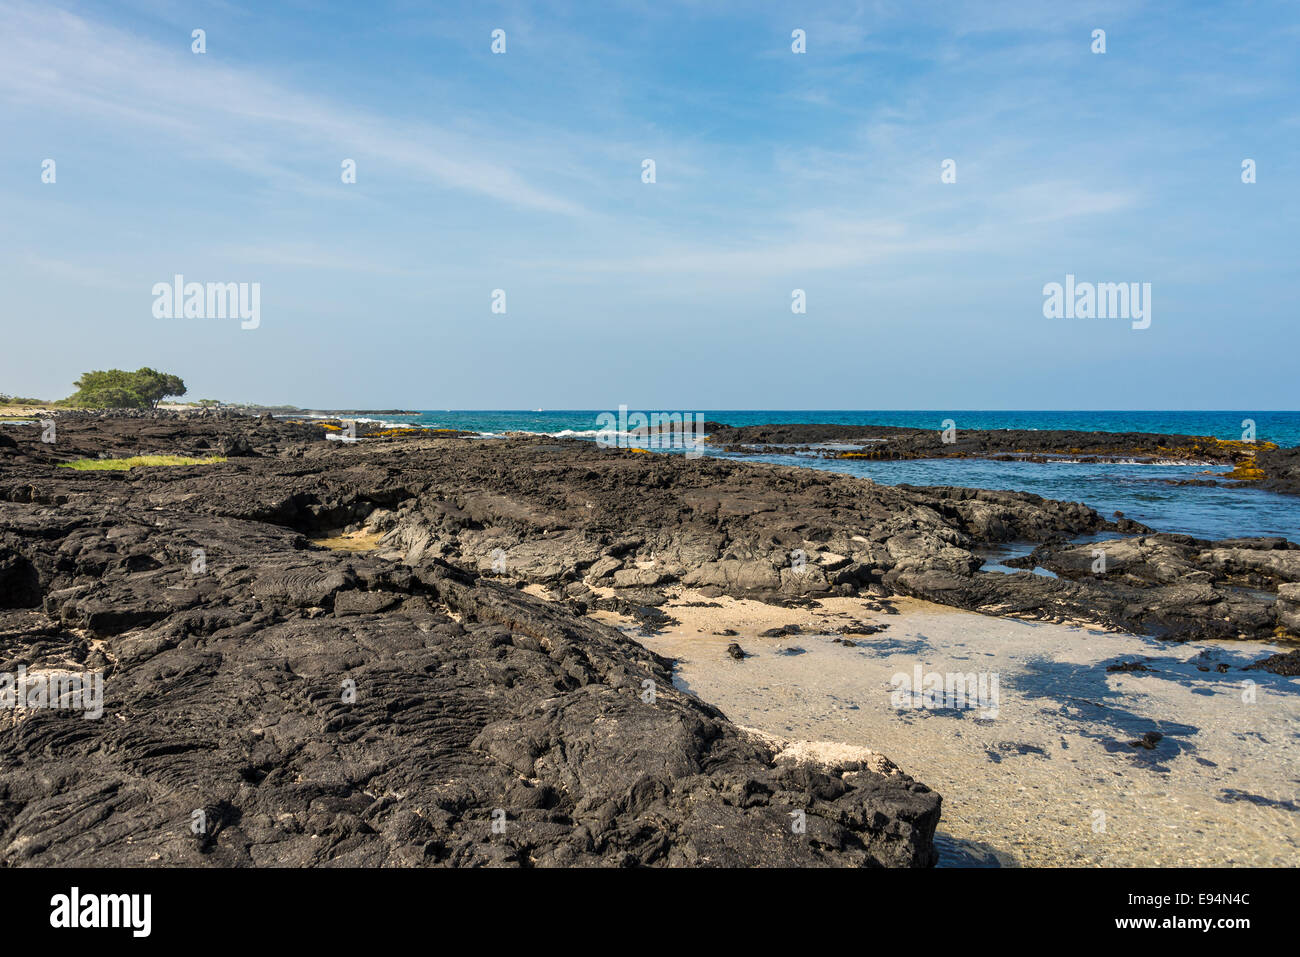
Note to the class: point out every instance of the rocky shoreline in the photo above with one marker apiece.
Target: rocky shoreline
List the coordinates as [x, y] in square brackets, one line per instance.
[1261, 464]
[397, 563]
[484, 726]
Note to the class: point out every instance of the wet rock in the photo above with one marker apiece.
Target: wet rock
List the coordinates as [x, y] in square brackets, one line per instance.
[1228, 795]
[1281, 470]
[1128, 666]
[1173, 585]
[1283, 663]
[857, 627]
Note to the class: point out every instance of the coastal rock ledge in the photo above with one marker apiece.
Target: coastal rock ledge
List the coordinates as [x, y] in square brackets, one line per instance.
[269, 702]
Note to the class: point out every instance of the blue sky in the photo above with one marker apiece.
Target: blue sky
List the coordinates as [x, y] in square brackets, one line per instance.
[775, 171]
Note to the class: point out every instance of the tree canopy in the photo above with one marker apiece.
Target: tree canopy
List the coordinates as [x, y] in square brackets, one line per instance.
[117, 389]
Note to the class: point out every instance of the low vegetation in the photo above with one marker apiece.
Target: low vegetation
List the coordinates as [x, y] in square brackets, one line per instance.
[137, 461]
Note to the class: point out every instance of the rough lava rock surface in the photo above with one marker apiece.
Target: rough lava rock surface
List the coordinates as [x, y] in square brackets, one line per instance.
[324, 707]
[227, 687]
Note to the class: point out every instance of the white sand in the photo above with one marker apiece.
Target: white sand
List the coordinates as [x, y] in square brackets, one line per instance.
[1050, 779]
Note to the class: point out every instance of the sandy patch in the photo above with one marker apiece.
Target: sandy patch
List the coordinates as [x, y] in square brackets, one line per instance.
[1048, 776]
[351, 541]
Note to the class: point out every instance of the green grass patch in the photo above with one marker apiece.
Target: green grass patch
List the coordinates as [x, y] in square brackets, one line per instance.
[95, 465]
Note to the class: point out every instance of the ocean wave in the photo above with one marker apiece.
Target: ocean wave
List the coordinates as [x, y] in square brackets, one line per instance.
[361, 418]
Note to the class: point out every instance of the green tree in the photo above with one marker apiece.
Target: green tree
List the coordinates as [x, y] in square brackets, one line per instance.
[118, 389]
[155, 386]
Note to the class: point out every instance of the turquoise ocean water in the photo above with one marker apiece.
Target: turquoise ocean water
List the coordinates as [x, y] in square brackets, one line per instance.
[1146, 493]
[1280, 427]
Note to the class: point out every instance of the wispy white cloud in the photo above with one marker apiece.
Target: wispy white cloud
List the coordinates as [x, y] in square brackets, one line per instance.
[53, 59]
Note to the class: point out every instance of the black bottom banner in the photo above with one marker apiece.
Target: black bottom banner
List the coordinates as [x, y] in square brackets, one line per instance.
[340, 907]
